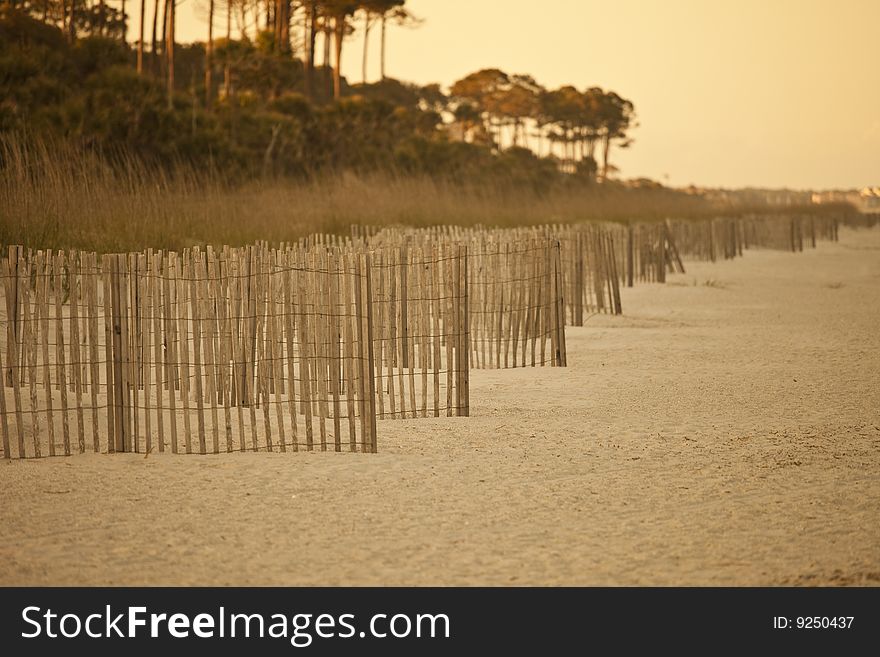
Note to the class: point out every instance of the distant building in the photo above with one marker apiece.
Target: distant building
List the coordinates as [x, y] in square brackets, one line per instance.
[755, 196]
[870, 199]
[864, 200]
[836, 196]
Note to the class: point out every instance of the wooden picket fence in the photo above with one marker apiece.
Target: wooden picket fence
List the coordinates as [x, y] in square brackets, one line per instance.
[725, 238]
[517, 307]
[648, 251]
[591, 268]
[514, 283]
[305, 346]
[515, 313]
[719, 238]
[861, 219]
[421, 333]
[654, 249]
[788, 233]
[200, 352]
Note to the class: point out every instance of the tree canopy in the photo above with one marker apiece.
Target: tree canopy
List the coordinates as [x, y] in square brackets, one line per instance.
[256, 100]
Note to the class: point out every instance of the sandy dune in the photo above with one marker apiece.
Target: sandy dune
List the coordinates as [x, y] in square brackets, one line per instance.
[725, 431]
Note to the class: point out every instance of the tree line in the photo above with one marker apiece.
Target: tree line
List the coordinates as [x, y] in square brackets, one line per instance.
[268, 93]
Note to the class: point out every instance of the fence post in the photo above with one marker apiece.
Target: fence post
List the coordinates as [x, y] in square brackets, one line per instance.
[404, 296]
[732, 233]
[559, 307]
[660, 254]
[12, 353]
[457, 323]
[599, 269]
[673, 247]
[578, 287]
[371, 365]
[563, 348]
[120, 439]
[630, 255]
[3, 419]
[711, 233]
[615, 278]
[12, 329]
[466, 365]
[553, 310]
[197, 309]
[363, 330]
[249, 311]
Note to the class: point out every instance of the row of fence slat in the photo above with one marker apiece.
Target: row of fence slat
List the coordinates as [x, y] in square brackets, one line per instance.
[305, 345]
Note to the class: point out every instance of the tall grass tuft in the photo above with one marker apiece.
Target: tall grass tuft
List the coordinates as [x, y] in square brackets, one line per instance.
[56, 195]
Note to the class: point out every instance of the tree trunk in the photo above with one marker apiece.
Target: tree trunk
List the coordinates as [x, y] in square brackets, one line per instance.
[305, 32]
[169, 53]
[163, 42]
[276, 24]
[328, 78]
[124, 21]
[569, 150]
[209, 57]
[243, 11]
[339, 29]
[367, 25]
[227, 71]
[71, 20]
[606, 148]
[282, 19]
[102, 26]
[311, 37]
[153, 60]
[565, 148]
[140, 51]
[382, 50]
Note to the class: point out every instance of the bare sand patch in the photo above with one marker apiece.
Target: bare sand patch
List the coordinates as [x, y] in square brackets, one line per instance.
[718, 433]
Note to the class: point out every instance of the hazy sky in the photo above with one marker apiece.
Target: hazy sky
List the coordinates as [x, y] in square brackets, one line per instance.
[727, 92]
